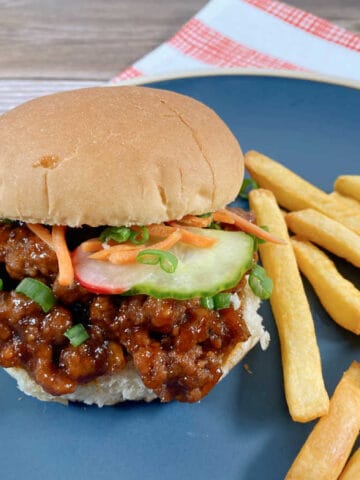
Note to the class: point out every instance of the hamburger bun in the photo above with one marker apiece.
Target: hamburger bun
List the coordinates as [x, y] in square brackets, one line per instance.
[118, 156]
[115, 156]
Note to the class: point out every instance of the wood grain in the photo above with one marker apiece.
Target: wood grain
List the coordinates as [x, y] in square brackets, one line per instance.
[89, 39]
[51, 45]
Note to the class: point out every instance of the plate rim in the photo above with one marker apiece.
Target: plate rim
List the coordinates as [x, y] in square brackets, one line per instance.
[218, 72]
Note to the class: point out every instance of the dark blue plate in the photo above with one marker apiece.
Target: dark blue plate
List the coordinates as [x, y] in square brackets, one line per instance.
[242, 430]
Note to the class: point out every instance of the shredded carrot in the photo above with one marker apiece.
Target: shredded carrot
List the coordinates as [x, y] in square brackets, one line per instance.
[168, 242]
[223, 216]
[92, 245]
[66, 271]
[129, 256]
[160, 230]
[246, 226]
[119, 247]
[187, 237]
[192, 239]
[194, 221]
[42, 232]
[125, 256]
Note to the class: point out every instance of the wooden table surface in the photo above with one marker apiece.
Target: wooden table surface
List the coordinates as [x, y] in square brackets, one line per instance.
[50, 45]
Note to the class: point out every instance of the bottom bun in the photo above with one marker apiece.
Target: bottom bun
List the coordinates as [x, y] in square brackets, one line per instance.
[127, 385]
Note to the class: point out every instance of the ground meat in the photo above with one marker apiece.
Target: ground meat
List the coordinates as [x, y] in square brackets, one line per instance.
[72, 294]
[54, 325]
[25, 255]
[31, 339]
[102, 312]
[178, 347]
[45, 373]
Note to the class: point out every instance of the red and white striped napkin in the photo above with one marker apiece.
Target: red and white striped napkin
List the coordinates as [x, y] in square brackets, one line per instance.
[263, 34]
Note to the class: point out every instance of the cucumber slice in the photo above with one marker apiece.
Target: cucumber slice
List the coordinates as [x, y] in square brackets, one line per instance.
[200, 272]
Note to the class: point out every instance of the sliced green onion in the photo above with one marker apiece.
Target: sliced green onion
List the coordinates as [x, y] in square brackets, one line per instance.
[119, 234]
[222, 300]
[141, 237]
[258, 241]
[38, 292]
[205, 215]
[214, 226]
[248, 184]
[218, 302]
[168, 261]
[207, 302]
[5, 220]
[77, 334]
[260, 283]
[149, 257]
[1, 284]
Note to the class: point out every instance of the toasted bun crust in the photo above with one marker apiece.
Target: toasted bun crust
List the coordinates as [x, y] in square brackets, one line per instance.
[127, 384]
[115, 156]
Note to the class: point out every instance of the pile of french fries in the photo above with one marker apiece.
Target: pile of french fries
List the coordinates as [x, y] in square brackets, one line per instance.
[332, 222]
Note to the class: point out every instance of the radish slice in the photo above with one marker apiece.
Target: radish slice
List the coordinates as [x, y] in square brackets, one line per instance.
[104, 277]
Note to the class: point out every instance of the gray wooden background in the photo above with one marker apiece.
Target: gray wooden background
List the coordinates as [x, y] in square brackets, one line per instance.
[49, 45]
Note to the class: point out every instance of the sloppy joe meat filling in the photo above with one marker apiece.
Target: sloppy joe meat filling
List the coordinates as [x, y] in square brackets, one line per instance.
[177, 346]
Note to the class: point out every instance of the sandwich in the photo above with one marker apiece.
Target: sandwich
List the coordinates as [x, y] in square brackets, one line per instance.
[124, 274]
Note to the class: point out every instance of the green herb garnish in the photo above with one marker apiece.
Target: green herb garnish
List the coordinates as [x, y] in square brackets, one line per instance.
[214, 226]
[260, 283]
[248, 184]
[168, 261]
[222, 300]
[140, 237]
[218, 302]
[207, 302]
[38, 292]
[77, 334]
[118, 234]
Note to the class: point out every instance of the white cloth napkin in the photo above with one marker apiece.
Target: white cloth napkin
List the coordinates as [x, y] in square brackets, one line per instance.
[262, 34]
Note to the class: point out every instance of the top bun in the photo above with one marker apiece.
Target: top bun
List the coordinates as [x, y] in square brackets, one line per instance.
[115, 156]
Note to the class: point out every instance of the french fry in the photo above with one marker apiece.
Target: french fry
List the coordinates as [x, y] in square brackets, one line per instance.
[294, 193]
[328, 446]
[326, 232]
[348, 201]
[304, 385]
[283, 212]
[348, 185]
[338, 296]
[352, 468]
